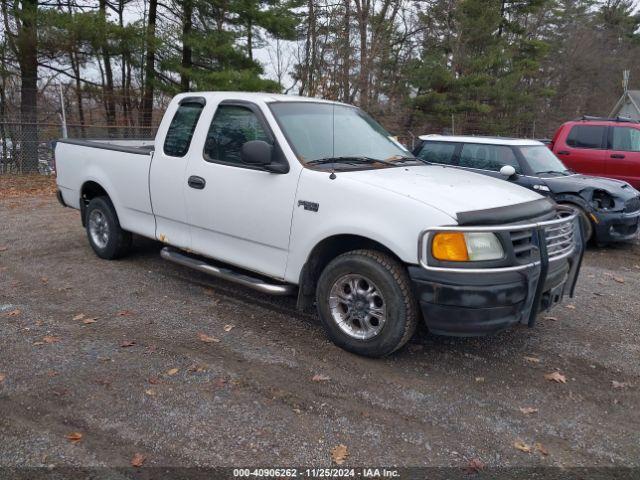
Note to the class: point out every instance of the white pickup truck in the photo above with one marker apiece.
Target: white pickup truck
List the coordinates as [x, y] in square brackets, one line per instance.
[291, 195]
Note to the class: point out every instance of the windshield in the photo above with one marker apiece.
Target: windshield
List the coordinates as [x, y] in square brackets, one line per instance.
[542, 160]
[319, 131]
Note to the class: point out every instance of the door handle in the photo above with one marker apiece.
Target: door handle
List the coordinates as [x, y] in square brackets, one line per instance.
[564, 152]
[196, 182]
[617, 155]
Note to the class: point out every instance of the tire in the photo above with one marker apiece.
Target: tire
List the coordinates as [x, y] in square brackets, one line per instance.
[586, 221]
[106, 237]
[380, 317]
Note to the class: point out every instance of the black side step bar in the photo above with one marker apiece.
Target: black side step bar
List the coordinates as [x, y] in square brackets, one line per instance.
[255, 283]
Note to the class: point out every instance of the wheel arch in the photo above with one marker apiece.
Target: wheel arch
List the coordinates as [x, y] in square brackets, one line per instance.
[325, 251]
[90, 189]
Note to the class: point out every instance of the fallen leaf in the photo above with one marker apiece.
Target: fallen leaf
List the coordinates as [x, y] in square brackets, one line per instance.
[87, 321]
[125, 313]
[532, 359]
[619, 279]
[52, 373]
[172, 371]
[79, 316]
[618, 385]
[207, 338]
[523, 447]
[50, 339]
[297, 410]
[44, 279]
[228, 328]
[318, 377]
[555, 377]
[151, 349]
[37, 344]
[538, 447]
[151, 392]
[14, 313]
[480, 379]
[2, 377]
[195, 368]
[127, 343]
[474, 466]
[551, 318]
[339, 454]
[4, 248]
[74, 437]
[570, 306]
[153, 380]
[137, 460]
[528, 410]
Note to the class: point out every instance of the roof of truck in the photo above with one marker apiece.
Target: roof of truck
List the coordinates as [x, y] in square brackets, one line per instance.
[253, 96]
[484, 140]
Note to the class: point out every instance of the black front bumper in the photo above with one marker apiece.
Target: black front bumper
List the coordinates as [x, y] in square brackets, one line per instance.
[616, 226]
[473, 304]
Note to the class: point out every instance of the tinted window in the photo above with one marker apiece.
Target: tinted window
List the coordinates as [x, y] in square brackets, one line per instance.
[488, 157]
[178, 139]
[586, 136]
[232, 127]
[438, 152]
[542, 160]
[626, 139]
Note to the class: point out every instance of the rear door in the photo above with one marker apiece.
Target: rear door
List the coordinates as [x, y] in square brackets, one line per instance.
[584, 149]
[623, 158]
[443, 153]
[167, 177]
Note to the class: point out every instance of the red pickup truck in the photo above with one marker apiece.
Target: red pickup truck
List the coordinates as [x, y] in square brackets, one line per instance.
[603, 147]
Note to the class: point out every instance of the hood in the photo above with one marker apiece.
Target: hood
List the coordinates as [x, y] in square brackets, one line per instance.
[576, 183]
[447, 189]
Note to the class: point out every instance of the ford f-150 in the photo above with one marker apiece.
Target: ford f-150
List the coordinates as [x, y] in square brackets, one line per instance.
[292, 195]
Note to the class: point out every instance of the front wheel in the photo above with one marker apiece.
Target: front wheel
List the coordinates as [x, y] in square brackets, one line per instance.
[106, 237]
[365, 303]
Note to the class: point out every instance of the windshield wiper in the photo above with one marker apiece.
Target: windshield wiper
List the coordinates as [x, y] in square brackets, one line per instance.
[565, 173]
[354, 160]
[403, 159]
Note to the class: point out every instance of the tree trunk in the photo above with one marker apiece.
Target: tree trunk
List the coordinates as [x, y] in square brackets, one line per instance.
[346, 52]
[27, 46]
[109, 103]
[149, 68]
[187, 61]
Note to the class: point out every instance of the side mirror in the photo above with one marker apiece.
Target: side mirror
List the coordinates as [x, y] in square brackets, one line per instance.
[256, 152]
[507, 171]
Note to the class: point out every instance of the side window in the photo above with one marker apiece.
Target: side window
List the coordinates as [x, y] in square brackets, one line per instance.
[178, 139]
[626, 139]
[232, 126]
[488, 157]
[438, 152]
[586, 136]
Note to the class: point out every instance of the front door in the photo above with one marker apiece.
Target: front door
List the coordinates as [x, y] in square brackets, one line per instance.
[242, 213]
[623, 158]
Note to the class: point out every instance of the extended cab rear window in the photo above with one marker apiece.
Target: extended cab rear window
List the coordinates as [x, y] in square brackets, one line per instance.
[586, 136]
[178, 139]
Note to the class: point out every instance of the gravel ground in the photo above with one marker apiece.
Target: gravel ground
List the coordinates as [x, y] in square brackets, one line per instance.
[247, 395]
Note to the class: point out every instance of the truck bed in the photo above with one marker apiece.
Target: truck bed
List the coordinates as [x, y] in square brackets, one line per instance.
[137, 146]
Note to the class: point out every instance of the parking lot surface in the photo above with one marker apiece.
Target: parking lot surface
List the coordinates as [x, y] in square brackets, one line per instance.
[100, 361]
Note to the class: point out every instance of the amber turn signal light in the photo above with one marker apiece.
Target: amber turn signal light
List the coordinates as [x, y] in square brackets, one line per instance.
[450, 247]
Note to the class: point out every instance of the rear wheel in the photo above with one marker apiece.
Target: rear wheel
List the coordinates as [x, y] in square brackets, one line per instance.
[366, 304]
[106, 237]
[586, 221]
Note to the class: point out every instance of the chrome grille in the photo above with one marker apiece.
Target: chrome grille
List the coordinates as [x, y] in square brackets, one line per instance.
[632, 205]
[523, 246]
[560, 239]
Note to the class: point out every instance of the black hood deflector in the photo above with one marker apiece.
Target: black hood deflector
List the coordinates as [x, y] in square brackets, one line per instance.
[508, 213]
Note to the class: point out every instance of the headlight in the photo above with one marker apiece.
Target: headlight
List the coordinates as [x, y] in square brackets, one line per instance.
[465, 247]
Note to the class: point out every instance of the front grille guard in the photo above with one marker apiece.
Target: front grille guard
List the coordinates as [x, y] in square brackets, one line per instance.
[558, 227]
[538, 269]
